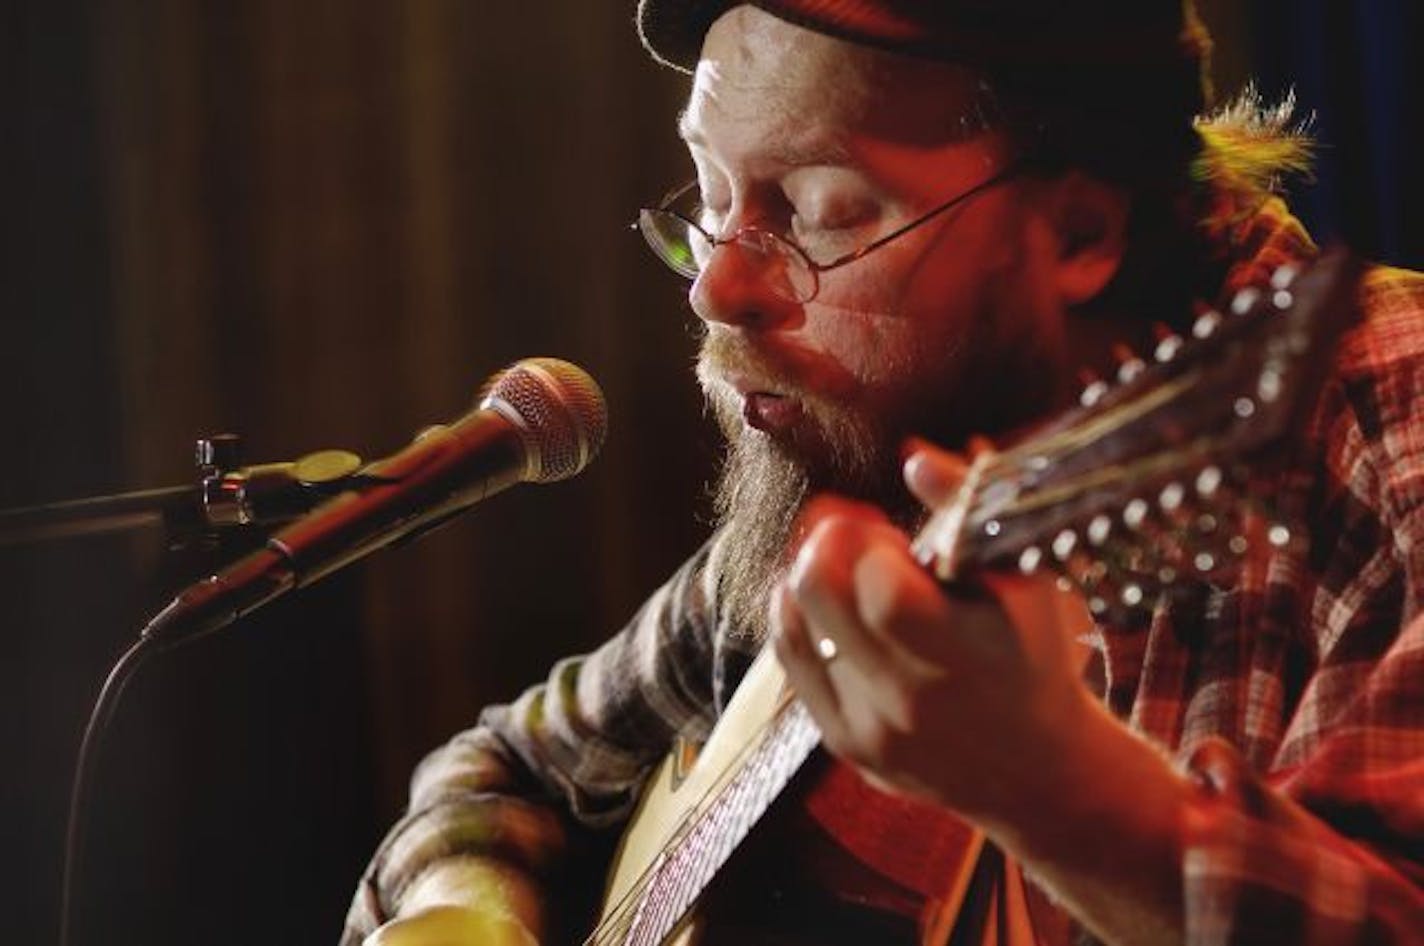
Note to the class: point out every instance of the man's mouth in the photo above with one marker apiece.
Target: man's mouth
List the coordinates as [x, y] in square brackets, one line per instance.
[770, 412]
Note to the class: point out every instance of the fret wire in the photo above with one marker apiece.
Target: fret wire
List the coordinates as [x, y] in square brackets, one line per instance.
[780, 746]
[633, 899]
[621, 918]
[748, 794]
[679, 899]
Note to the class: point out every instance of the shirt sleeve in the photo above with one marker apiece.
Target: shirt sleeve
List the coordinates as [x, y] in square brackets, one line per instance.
[571, 751]
[1332, 853]
[1327, 845]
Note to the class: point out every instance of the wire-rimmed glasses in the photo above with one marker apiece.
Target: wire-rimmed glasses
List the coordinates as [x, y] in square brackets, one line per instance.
[686, 248]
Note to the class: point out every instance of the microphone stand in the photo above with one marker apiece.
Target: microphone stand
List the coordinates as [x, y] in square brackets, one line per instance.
[168, 506]
[226, 496]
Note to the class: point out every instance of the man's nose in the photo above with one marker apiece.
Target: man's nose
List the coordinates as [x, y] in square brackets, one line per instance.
[737, 287]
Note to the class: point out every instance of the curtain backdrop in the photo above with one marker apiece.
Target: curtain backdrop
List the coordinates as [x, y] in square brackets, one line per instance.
[316, 225]
[1356, 65]
[322, 224]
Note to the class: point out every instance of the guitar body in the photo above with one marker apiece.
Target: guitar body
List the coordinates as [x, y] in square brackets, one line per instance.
[834, 861]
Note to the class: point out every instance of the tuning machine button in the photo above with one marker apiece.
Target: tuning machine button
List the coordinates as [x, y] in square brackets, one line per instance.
[1168, 348]
[1093, 393]
[1245, 300]
[1030, 559]
[1206, 324]
[1129, 365]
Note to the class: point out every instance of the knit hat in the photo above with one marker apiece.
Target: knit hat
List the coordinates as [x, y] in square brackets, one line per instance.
[1123, 52]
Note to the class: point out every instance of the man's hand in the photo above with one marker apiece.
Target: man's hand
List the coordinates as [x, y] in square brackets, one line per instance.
[966, 697]
[972, 697]
[464, 901]
[452, 926]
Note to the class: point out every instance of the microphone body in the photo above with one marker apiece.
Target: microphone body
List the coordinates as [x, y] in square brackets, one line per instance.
[540, 420]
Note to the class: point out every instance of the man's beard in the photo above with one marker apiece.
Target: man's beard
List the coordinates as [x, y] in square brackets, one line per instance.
[996, 377]
[765, 481]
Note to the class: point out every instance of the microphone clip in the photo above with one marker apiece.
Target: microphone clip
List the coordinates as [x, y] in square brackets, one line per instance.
[234, 495]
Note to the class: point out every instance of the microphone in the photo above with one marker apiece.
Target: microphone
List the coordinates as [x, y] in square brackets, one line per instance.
[538, 421]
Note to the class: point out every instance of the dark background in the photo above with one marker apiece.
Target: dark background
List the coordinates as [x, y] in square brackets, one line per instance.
[322, 224]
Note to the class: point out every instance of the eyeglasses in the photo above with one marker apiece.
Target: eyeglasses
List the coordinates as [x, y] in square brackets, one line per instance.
[682, 243]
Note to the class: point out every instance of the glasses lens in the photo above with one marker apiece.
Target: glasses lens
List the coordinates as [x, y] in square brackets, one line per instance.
[686, 250]
[676, 242]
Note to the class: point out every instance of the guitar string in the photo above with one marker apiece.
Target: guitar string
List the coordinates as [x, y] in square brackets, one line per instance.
[649, 910]
[763, 782]
[740, 799]
[689, 863]
[630, 901]
[635, 899]
[660, 902]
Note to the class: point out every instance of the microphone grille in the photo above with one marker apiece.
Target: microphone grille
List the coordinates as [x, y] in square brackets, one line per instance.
[560, 410]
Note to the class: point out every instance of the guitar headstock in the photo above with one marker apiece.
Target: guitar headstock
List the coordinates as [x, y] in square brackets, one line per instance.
[1147, 481]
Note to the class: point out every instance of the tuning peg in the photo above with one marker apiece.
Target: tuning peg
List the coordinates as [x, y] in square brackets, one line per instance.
[1280, 282]
[1209, 481]
[1168, 347]
[1098, 530]
[1132, 595]
[1032, 561]
[1134, 514]
[1204, 562]
[1268, 386]
[1114, 593]
[1206, 324]
[1283, 276]
[1129, 366]
[1171, 498]
[1245, 300]
[1094, 388]
[1076, 567]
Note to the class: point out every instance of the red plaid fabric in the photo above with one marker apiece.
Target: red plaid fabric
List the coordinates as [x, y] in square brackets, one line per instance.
[1295, 699]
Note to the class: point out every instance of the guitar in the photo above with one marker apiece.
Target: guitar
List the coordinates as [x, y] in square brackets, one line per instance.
[1144, 485]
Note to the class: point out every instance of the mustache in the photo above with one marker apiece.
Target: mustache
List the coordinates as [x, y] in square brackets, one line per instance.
[726, 353]
[778, 364]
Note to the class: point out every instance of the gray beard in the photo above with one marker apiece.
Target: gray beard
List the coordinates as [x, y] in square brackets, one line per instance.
[1000, 376]
[761, 489]
[757, 499]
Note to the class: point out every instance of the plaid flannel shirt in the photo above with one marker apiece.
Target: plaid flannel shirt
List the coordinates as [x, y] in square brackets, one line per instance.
[1295, 699]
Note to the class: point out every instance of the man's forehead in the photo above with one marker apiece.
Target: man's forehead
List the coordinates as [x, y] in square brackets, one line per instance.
[761, 74]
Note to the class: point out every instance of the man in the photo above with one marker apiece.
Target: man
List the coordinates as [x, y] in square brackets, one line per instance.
[924, 220]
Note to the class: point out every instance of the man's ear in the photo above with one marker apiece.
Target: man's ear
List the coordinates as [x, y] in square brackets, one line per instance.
[1088, 219]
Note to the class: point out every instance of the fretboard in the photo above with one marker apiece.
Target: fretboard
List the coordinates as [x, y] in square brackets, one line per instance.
[680, 875]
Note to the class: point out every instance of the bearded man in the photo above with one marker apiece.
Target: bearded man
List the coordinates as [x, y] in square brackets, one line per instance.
[923, 221]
